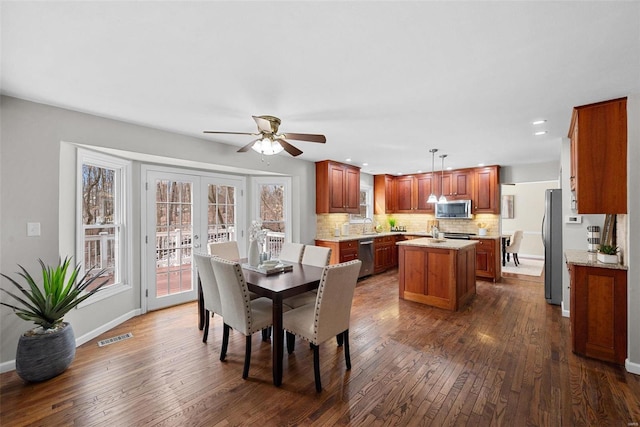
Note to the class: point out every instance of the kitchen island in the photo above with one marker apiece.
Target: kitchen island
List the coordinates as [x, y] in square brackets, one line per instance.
[437, 272]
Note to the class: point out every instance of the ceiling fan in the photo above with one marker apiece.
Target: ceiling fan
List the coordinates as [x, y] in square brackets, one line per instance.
[269, 141]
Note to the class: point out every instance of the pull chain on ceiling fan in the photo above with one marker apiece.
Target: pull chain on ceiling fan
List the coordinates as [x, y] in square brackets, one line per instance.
[269, 141]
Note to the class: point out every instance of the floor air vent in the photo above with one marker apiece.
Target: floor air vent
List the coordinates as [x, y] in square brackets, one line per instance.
[115, 339]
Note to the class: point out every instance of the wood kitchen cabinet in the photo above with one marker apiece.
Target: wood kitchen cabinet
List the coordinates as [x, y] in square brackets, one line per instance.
[337, 188]
[488, 258]
[456, 184]
[340, 251]
[599, 312]
[412, 192]
[384, 194]
[486, 190]
[385, 254]
[598, 135]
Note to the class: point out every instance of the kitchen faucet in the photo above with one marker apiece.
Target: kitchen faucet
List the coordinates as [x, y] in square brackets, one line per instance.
[364, 224]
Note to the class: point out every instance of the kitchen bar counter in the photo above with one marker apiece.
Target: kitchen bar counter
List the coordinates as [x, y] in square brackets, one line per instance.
[390, 233]
[428, 242]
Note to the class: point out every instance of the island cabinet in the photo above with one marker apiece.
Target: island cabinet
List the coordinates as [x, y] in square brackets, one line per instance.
[598, 174]
[340, 251]
[599, 312]
[337, 188]
[486, 190]
[440, 275]
[385, 254]
[412, 192]
[488, 258]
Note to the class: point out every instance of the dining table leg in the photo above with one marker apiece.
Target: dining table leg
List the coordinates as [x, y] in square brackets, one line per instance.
[277, 351]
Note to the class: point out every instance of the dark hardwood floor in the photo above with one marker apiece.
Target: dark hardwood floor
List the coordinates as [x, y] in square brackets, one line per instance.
[504, 360]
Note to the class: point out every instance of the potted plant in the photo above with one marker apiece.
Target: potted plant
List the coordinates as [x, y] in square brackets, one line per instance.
[608, 254]
[48, 349]
[482, 229]
[392, 223]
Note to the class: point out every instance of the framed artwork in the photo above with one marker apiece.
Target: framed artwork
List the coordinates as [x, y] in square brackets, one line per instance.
[507, 206]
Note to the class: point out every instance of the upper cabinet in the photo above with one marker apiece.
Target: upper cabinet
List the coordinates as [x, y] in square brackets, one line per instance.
[598, 135]
[409, 193]
[456, 184]
[486, 190]
[337, 188]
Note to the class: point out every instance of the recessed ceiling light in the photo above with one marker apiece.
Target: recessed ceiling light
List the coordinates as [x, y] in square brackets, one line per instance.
[542, 132]
[480, 164]
[539, 122]
[449, 168]
[419, 171]
[347, 160]
[365, 164]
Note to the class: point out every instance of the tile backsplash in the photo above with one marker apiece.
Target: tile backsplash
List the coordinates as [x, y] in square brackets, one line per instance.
[326, 223]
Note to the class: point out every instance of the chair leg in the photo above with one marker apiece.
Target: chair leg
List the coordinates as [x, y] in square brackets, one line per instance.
[347, 355]
[339, 339]
[225, 341]
[247, 358]
[291, 342]
[516, 259]
[316, 367]
[266, 333]
[206, 326]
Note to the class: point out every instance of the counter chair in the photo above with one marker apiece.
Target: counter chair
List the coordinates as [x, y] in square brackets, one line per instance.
[210, 292]
[239, 312]
[329, 316]
[514, 246]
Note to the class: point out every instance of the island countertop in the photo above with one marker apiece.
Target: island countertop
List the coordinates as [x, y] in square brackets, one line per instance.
[428, 242]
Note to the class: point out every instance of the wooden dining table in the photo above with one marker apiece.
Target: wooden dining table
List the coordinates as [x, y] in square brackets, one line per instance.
[277, 287]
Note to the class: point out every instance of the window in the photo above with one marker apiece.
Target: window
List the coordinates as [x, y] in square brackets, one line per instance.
[366, 203]
[274, 210]
[221, 213]
[102, 225]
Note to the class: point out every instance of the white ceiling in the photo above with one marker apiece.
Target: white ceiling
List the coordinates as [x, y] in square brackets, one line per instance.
[384, 81]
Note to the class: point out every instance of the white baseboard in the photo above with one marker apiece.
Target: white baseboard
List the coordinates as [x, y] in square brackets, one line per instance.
[633, 368]
[11, 364]
[565, 310]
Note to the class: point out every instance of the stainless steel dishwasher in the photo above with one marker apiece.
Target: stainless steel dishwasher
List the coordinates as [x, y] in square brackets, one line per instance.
[365, 254]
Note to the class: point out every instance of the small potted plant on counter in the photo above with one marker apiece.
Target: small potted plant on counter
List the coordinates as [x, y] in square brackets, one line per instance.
[48, 349]
[482, 229]
[608, 254]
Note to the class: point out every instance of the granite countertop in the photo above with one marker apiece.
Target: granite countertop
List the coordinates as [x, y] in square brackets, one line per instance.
[428, 242]
[588, 259]
[392, 233]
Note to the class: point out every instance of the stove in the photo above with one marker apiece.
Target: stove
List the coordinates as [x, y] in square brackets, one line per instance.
[459, 236]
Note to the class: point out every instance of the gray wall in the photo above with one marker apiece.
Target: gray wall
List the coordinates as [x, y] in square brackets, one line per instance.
[37, 158]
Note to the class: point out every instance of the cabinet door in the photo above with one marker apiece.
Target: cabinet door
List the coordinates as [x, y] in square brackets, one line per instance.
[486, 190]
[424, 182]
[574, 156]
[461, 184]
[404, 186]
[352, 190]
[337, 188]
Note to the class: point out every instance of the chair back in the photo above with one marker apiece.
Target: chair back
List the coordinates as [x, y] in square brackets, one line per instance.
[335, 295]
[291, 252]
[514, 246]
[316, 255]
[234, 294]
[210, 292]
[225, 250]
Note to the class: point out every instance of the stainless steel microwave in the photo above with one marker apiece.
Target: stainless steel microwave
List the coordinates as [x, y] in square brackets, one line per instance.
[455, 209]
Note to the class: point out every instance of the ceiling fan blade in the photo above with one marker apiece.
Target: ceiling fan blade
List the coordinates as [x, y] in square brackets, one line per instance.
[264, 125]
[230, 133]
[289, 148]
[305, 137]
[248, 146]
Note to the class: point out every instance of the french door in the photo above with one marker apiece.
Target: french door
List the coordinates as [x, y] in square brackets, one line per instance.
[184, 213]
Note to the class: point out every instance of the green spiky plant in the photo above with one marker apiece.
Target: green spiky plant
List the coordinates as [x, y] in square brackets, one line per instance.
[47, 306]
[608, 249]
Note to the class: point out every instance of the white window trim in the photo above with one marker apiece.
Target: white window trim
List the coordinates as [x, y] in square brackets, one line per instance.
[357, 219]
[280, 180]
[126, 246]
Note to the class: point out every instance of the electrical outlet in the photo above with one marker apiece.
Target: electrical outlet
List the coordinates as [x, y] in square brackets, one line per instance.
[33, 229]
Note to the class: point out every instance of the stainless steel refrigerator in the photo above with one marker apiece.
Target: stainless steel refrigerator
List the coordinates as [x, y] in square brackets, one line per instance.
[552, 241]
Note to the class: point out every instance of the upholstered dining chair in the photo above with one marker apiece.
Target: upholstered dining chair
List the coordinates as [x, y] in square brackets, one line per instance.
[291, 252]
[329, 316]
[514, 246]
[313, 255]
[225, 250]
[210, 292]
[238, 310]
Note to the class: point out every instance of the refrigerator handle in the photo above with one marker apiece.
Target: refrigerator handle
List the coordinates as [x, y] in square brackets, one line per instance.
[544, 217]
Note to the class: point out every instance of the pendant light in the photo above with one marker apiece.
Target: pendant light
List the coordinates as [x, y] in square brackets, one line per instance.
[432, 197]
[442, 199]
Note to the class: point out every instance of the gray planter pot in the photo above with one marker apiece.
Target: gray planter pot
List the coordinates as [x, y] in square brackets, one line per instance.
[43, 356]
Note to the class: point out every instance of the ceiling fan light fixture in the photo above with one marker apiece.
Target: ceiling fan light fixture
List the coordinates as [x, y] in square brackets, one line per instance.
[267, 146]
